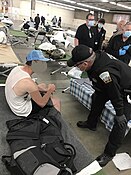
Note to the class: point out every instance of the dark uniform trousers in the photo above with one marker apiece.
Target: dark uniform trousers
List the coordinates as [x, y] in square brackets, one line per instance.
[117, 134]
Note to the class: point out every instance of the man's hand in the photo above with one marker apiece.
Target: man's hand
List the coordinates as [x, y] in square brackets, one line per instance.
[51, 87]
[42, 87]
[122, 52]
[126, 47]
[121, 120]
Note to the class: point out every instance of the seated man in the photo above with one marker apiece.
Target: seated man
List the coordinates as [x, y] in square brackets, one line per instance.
[119, 45]
[24, 98]
[23, 95]
[111, 80]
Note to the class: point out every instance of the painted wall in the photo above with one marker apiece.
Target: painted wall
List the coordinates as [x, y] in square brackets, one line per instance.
[20, 9]
[48, 11]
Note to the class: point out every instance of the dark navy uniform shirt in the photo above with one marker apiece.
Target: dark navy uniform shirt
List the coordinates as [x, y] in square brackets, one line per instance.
[116, 43]
[85, 36]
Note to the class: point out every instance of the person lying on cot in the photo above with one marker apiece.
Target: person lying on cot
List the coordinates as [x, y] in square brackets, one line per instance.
[23, 95]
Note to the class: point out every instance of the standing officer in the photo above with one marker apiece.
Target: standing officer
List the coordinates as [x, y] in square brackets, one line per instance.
[111, 80]
[84, 34]
[99, 33]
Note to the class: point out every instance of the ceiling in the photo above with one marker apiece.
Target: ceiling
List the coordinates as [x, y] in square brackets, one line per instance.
[109, 5]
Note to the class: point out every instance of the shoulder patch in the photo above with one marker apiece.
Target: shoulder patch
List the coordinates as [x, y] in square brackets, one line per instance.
[105, 76]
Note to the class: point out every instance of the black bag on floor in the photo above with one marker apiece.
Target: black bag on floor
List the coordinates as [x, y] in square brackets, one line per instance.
[38, 148]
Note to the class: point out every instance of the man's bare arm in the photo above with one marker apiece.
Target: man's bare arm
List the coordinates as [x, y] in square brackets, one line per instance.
[33, 90]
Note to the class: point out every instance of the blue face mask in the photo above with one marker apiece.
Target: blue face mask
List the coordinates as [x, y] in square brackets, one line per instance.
[127, 34]
[91, 23]
[100, 25]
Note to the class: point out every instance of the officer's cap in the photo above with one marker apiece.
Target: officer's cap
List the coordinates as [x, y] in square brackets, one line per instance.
[79, 53]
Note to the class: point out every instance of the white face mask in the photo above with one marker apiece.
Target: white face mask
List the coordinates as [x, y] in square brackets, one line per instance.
[100, 25]
[91, 23]
[127, 34]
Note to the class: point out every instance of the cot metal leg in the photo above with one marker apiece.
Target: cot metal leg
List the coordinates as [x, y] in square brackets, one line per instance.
[56, 70]
[4, 72]
[63, 91]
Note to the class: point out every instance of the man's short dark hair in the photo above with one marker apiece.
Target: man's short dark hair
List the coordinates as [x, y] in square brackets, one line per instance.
[102, 20]
[29, 63]
[89, 14]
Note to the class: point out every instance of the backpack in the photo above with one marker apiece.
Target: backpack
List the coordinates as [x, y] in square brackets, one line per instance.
[58, 54]
[38, 148]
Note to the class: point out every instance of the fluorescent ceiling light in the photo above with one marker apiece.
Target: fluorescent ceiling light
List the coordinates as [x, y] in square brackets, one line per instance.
[79, 8]
[92, 7]
[114, 3]
[124, 6]
[72, 2]
[104, 0]
[120, 5]
[65, 5]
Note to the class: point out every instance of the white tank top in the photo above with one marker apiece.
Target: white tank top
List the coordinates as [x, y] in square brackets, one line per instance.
[20, 105]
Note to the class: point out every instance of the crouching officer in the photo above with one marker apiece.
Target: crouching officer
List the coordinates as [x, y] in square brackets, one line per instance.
[110, 78]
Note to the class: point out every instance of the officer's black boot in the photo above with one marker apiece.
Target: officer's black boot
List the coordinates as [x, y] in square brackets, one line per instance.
[85, 124]
[103, 159]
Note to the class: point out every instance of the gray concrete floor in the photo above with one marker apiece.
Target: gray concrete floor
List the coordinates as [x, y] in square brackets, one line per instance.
[73, 111]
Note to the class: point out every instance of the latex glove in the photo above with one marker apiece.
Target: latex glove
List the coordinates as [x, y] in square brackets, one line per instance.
[126, 47]
[122, 52]
[121, 120]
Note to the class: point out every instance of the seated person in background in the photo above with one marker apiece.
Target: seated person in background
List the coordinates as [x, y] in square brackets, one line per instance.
[110, 78]
[31, 23]
[23, 95]
[99, 33]
[119, 45]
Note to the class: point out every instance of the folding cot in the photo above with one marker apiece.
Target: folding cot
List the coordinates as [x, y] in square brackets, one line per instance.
[17, 37]
[8, 59]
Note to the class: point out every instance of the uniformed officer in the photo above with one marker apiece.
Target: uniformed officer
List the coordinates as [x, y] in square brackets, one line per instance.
[111, 80]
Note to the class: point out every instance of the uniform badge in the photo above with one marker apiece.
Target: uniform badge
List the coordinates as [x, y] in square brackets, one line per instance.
[105, 76]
